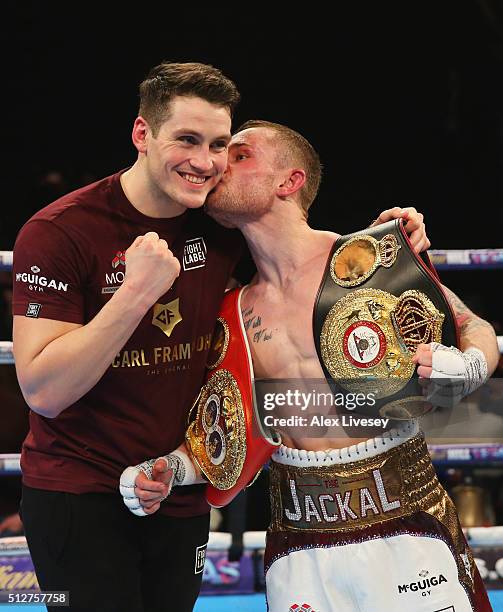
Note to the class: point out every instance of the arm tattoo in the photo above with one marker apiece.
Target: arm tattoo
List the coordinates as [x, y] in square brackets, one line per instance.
[461, 310]
[475, 324]
[465, 318]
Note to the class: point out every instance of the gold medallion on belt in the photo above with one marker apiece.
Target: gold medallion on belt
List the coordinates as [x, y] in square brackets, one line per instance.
[358, 258]
[373, 334]
[217, 436]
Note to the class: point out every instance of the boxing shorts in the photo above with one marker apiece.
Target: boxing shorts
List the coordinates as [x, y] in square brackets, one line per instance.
[368, 527]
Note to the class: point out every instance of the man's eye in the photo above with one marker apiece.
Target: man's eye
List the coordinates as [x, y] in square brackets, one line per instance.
[188, 139]
[241, 156]
[219, 146]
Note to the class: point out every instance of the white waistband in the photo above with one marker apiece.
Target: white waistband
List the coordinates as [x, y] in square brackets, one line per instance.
[356, 452]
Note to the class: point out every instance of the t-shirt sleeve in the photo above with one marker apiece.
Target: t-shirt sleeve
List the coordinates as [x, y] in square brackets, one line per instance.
[48, 277]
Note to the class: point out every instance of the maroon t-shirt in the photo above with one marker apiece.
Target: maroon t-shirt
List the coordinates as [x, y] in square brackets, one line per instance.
[68, 261]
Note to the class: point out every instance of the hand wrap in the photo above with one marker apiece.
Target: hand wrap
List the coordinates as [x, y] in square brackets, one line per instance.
[183, 474]
[455, 374]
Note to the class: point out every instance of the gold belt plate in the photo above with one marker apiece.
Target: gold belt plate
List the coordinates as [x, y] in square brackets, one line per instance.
[217, 436]
[370, 334]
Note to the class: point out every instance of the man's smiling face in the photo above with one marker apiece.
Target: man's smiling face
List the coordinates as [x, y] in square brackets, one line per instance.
[188, 155]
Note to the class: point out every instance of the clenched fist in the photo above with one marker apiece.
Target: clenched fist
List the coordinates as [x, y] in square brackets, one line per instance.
[151, 268]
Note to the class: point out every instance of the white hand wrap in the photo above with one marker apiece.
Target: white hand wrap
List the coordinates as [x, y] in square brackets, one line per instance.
[183, 474]
[469, 368]
[182, 466]
[454, 374]
[127, 484]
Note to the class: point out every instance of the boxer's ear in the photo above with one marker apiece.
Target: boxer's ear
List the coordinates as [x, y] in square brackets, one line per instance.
[293, 182]
[139, 134]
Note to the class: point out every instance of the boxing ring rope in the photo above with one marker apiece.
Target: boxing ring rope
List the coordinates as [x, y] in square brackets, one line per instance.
[5, 260]
[473, 259]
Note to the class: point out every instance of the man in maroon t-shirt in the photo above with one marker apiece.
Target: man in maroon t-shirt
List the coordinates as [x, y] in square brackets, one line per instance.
[110, 362]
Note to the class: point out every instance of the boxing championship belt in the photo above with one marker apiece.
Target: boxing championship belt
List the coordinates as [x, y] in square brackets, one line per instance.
[226, 439]
[377, 301]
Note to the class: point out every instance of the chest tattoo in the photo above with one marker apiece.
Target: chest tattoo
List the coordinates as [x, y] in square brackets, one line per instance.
[253, 321]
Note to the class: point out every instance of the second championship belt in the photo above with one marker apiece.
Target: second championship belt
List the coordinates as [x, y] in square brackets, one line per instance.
[377, 301]
[226, 439]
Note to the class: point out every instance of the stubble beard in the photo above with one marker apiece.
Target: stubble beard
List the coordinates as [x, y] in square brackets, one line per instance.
[236, 207]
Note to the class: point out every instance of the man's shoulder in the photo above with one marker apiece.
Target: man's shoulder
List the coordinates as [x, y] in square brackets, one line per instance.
[71, 220]
[330, 236]
[84, 200]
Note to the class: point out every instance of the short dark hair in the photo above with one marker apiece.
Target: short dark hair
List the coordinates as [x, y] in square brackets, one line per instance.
[297, 150]
[170, 79]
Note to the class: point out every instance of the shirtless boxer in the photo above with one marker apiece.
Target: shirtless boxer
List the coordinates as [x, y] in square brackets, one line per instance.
[392, 541]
